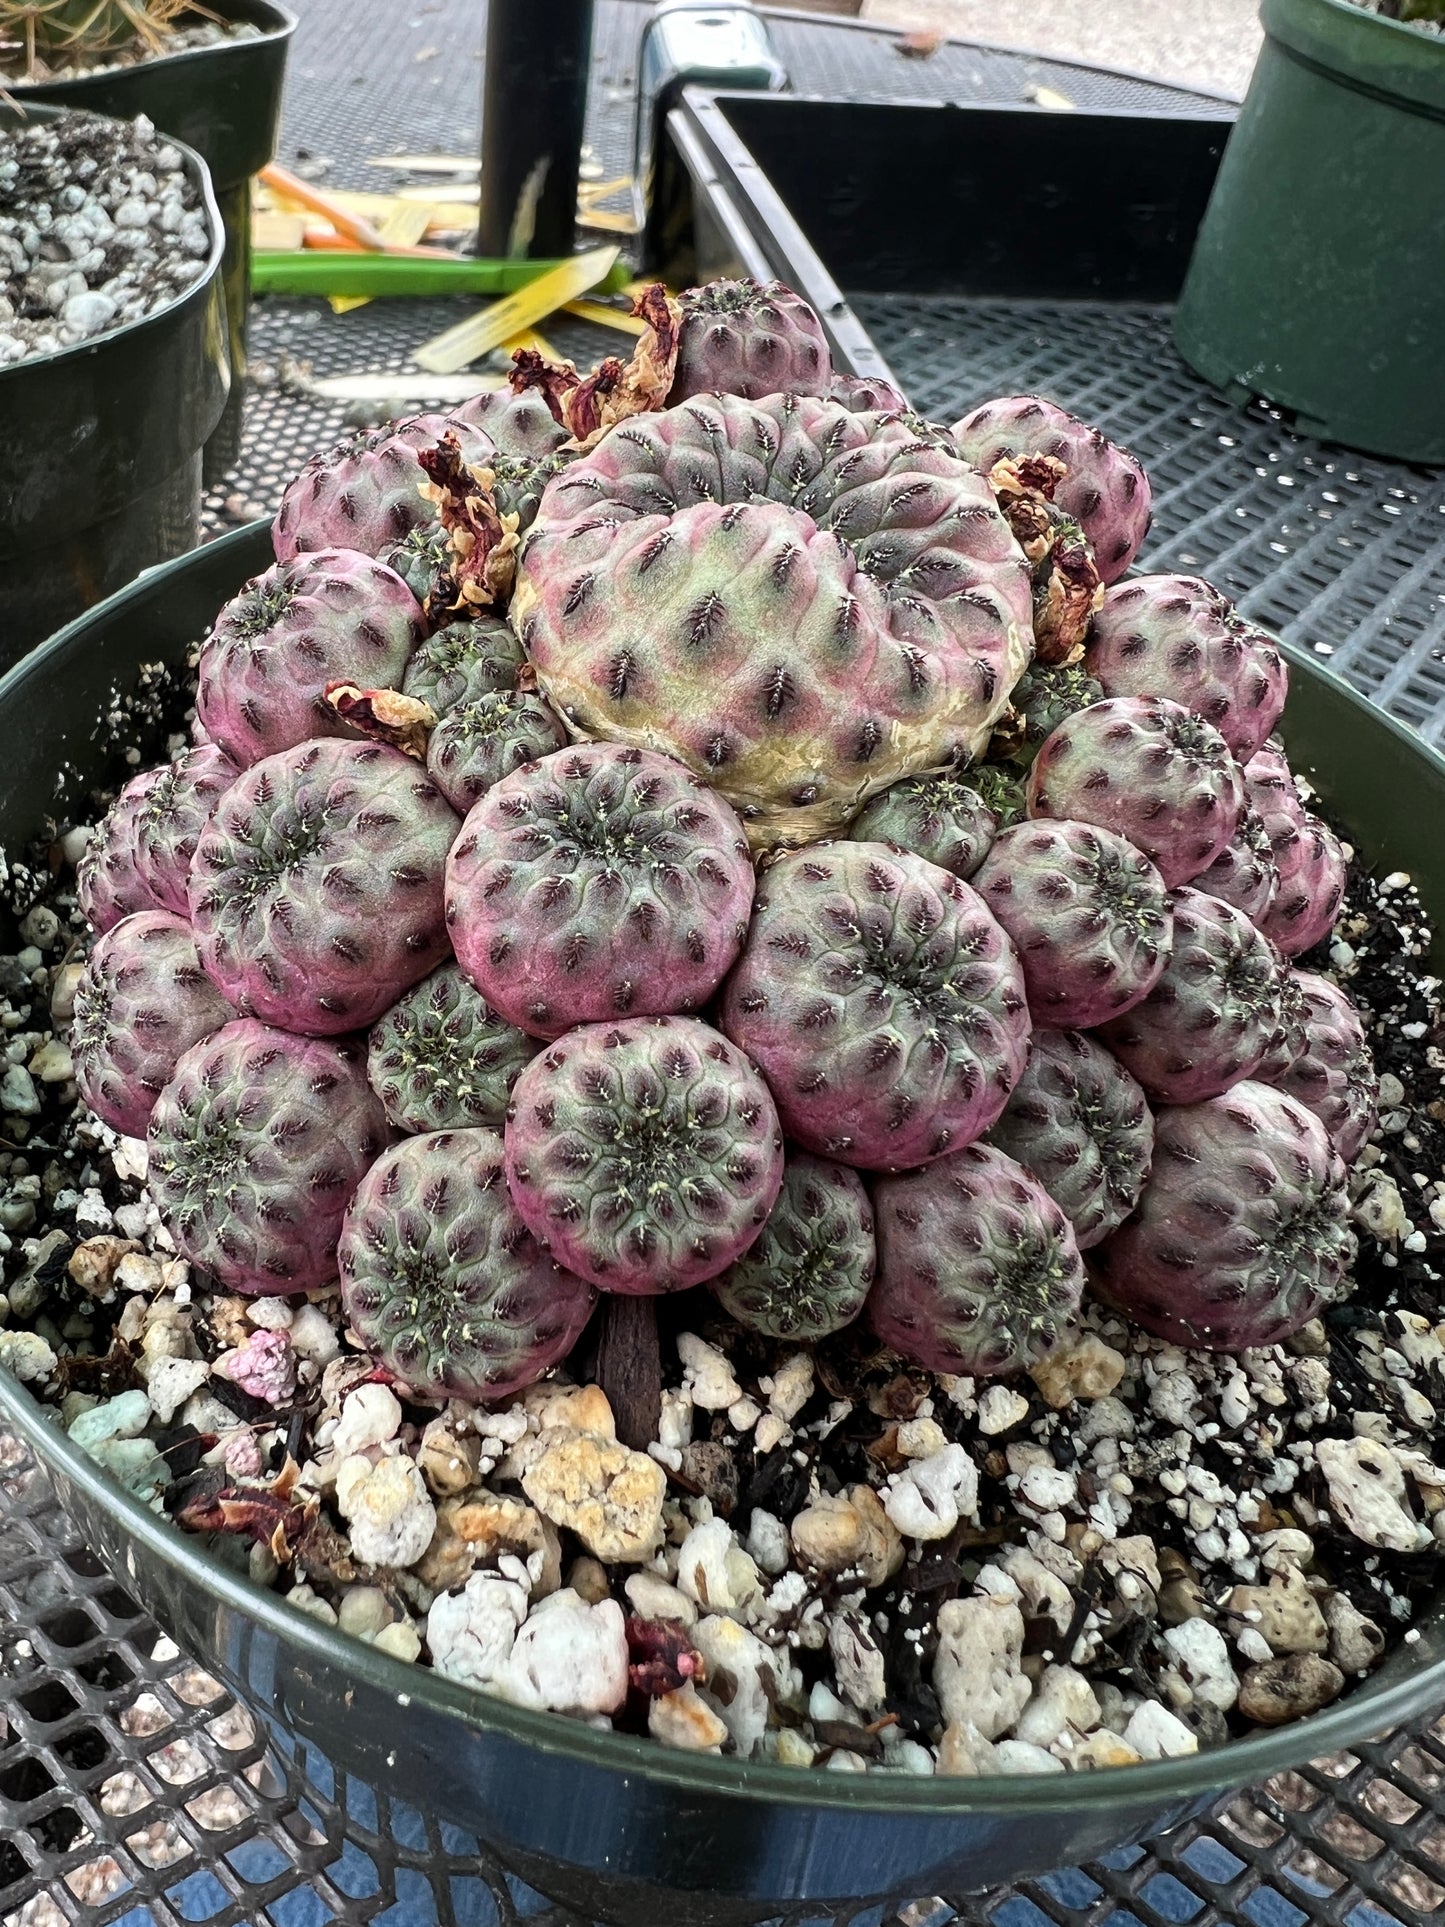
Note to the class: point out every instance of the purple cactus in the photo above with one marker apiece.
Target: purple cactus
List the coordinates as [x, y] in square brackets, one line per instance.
[808, 1273]
[1242, 1234]
[256, 1145]
[1147, 769]
[1088, 914]
[1312, 875]
[441, 1059]
[1332, 1074]
[316, 891]
[110, 880]
[750, 339]
[442, 1281]
[644, 1155]
[142, 1003]
[883, 1003]
[1213, 1014]
[175, 812]
[978, 1268]
[601, 882]
[1245, 872]
[478, 743]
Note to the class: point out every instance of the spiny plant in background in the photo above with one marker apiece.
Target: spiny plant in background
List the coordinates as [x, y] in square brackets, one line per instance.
[60, 32]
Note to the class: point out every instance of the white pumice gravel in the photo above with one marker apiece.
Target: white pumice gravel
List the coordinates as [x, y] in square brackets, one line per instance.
[1129, 1554]
[100, 226]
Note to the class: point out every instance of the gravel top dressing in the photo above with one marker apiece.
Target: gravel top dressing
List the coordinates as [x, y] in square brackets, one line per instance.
[79, 62]
[948, 1289]
[100, 225]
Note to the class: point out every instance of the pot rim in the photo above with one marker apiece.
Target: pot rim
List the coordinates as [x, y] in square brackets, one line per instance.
[282, 24]
[1371, 1709]
[114, 338]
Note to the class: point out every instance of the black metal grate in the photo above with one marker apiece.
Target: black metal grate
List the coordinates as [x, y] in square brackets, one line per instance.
[1342, 553]
[131, 1790]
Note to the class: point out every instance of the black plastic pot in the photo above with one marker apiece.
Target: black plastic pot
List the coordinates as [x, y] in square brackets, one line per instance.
[617, 1827]
[100, 449]
[225, 101]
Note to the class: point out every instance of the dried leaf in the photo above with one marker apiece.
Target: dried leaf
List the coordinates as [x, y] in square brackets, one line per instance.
[385, 715]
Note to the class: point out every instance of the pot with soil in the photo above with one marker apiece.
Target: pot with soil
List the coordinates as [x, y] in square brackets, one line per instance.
[211, 77]
[1316, 279]
[431, 1062]
[113, 362]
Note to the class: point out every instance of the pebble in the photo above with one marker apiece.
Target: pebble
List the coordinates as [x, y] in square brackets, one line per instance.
[1287, 1689]
[1000, 1408]
[1063, 1700]
[265, 1366]
[471, 1633]
[450, 1461]
[1201, 1661]
[858, 1661]
[849, 1532]
[609, 1495]
[1018, 1756]
[1081, 1367]
[713, 1569]
[401, 1639]
[1156, 1734]
[928, 1498]
[1367, 1492]
[371, 1415]
[568, 1657]
[472, 1531]
[976, 1671]
[652, 1597]
[1356, 1643]
[768, 1542]
[684, 1719]
[363, 1611]
[27, 1355]
[1100, 1750]
[171, 1381]
[964, 1753]
[707, 1376]
[18, 1096]
[52, 1063]
[1285, 1613]
[389, 1514]
[123, 1417]
[755, 1673]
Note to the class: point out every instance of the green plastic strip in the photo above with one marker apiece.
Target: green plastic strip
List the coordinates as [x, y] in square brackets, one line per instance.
[321, 271]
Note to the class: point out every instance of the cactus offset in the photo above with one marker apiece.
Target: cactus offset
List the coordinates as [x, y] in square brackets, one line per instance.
[256, 1145]
[1332, 1073]
[882, 1002]
[477, 743]
[750, 339]
[1242, 1233]
[441, 1059]
[644, 1155]
[442, 1281]
[978, 1268]
[462, 661]
[808, 1273]
[950, 819]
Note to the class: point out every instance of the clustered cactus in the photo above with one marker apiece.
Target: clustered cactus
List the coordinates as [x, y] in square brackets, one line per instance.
[764, 841]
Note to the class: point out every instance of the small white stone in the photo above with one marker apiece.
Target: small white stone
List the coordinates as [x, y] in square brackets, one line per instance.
[792, 1386]
[1018, 1756]
[755, 1671]
[471, 1633]
[369, 1416]
[1048, 1488]
[714, 1570]
[921, 1438]
[683, 1719]
[928, 1497]
[363, 1611]
[675, 1427]
[401, 1639]
[1063, 1701]
[652, 1597]
[270, 1314]
[569, 1657]
[857, 1661]
[1367, 1493]
[744, 1414]
[999, 1408]
[389, 1513]
[1155, 1733]
[1201, 1658]
[708, 1376]
[768, 1542]
[977, 1673]
[1041, 1589]
[171, 1381]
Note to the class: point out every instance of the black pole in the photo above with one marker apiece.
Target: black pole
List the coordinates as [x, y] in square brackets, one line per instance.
[534, 99]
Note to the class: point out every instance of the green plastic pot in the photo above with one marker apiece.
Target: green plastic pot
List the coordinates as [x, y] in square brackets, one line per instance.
[1318, 278]
[618, 1828]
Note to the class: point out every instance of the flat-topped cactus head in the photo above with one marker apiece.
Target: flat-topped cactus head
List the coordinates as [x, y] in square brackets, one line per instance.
[441, 1059]
[883, 1003]
[1242, 1233]
[1088, 914]
[801, 604]
[316, 890]
[978, 1269]
[256, 1145]
[644, 1155]
[809, 1272]
[442, 1281]
[329, 616]
[142, 1003]
[599, 882]
[1148, 769]
[749, 338]
[1083, 1126]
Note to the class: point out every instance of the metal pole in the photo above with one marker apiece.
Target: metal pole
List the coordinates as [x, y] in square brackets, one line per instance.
[534, 99]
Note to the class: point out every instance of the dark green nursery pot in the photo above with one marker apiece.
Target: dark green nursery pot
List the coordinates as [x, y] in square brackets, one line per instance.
[1318, 279]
